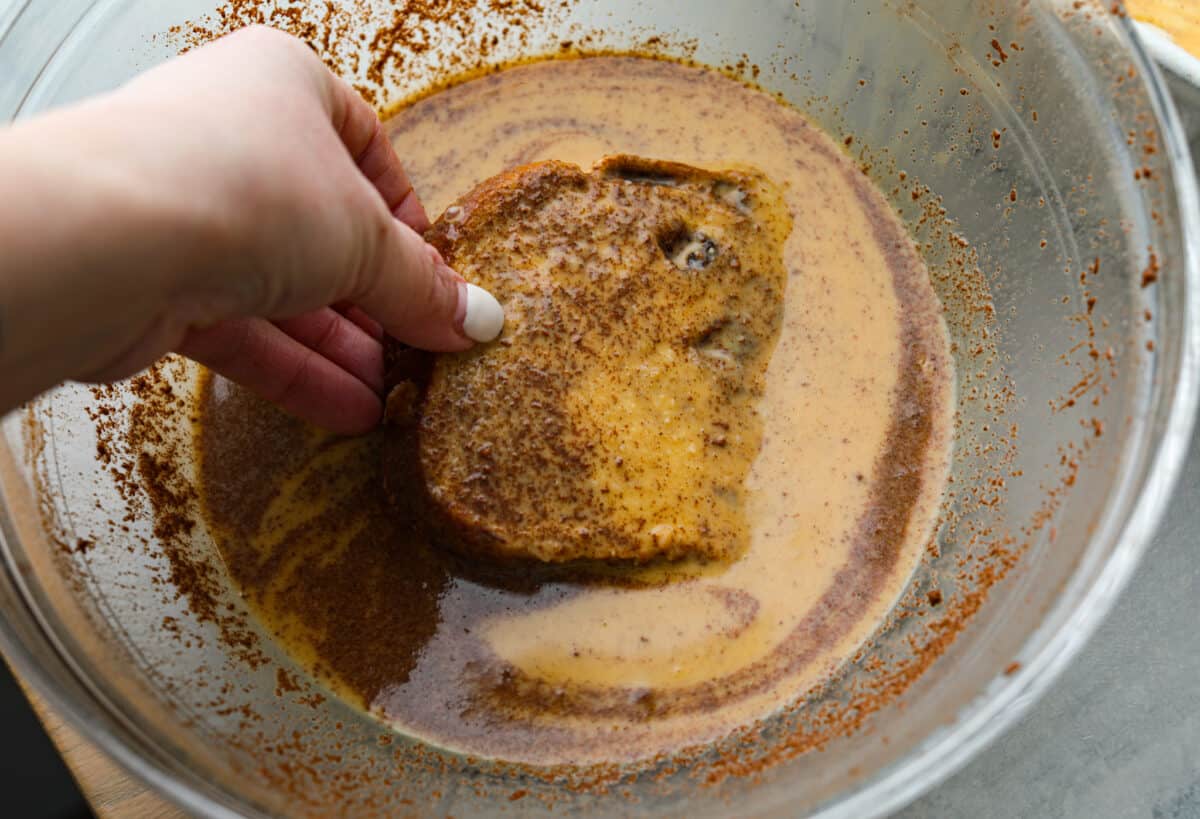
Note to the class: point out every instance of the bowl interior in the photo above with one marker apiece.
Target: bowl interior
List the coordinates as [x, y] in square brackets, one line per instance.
[1031, 155]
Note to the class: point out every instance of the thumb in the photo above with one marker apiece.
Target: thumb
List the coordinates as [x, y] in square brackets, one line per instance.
[421, 301]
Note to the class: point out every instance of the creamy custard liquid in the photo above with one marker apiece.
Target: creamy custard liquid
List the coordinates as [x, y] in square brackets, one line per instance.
[856, 429]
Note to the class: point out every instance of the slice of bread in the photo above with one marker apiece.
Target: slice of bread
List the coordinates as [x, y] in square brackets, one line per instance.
[615, 418]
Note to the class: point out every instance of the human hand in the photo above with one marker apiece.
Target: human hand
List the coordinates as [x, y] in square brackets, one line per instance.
[292, 233]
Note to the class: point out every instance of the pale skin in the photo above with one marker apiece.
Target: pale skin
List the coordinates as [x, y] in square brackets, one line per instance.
[239, 205]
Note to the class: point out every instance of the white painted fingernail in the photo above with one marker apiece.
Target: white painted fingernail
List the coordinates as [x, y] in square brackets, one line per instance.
[485, 317]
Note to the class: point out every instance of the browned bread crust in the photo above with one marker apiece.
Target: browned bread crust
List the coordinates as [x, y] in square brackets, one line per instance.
[614, 420]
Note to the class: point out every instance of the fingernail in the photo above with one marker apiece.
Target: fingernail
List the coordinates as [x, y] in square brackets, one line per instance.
[484, 317]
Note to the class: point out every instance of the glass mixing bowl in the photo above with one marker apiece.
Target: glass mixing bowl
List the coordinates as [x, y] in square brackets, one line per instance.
[1032, 150]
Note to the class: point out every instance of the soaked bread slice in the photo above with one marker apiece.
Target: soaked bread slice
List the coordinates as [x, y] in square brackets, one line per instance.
[615, 418]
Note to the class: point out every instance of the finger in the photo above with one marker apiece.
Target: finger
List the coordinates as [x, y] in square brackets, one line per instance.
[365, 138]
[415, 295]
[367, 324]
[340, 340]
[260, 356]
[411, 212]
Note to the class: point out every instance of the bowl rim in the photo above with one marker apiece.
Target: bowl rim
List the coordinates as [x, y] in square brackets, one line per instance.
[991, 714]
[1045, 653]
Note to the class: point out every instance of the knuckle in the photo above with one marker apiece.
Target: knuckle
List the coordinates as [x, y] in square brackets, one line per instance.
[329, 334]
[291, 388]
[277, 43]
[262, 33]
[373, 254]
[256, 34]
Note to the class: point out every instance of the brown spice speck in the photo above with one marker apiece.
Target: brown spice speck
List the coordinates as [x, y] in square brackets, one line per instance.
[1150, 274]
[285, 682]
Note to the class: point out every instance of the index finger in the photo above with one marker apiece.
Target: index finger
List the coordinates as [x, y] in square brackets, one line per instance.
[366, 140]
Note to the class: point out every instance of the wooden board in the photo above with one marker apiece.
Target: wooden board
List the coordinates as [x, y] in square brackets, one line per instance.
[112, 793]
